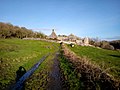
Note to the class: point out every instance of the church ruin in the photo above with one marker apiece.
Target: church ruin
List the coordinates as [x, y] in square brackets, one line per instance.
[53, 35]
[69, 39]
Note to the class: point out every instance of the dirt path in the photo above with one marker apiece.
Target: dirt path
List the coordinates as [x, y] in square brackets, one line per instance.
[55, 80]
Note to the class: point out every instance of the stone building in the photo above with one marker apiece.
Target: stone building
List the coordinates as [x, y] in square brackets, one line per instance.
[69, 39]
[62, 38]
[72, 38]
[86, 41]
[53, 35]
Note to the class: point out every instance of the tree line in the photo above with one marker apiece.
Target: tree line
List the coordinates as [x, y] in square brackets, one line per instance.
[7, 30]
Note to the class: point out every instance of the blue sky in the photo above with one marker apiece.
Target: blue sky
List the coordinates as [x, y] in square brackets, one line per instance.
[84, 18]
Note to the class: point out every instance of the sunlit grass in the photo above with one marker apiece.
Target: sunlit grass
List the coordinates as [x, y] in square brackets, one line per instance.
[108, 60]
[70, 76]
[17, 52]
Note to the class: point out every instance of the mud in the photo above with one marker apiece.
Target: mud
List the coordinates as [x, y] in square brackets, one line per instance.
[55, 77]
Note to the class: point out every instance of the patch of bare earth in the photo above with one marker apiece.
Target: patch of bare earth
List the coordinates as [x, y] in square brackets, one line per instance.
[55, 82]
[91, 76]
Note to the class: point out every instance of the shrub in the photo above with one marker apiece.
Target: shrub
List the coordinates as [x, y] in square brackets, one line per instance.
[116, 44]
[97, 44]
[107, 46]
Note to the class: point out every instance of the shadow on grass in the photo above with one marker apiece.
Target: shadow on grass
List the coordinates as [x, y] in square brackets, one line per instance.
[115, 56]
[19, 73]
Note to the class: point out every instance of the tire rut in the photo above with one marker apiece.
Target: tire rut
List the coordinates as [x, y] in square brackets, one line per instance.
[55, 75]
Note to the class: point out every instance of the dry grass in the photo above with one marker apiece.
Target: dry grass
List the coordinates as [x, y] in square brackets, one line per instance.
[91, 75]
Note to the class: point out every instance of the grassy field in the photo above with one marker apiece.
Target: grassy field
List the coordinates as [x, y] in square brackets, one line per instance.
[108, 60]
[17, 52]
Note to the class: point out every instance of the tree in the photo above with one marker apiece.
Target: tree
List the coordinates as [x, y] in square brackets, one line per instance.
[7, 30]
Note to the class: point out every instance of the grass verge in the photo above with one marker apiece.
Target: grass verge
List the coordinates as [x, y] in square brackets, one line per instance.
[91, 77]
[69, 76]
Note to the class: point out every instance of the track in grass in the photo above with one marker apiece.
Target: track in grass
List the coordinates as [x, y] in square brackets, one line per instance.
[55, 82]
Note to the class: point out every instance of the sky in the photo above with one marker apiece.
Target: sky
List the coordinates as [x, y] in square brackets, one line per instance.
[84, 18]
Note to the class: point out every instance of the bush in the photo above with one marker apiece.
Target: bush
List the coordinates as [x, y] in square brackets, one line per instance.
[116, 44]
[107, 46]
[97, 44]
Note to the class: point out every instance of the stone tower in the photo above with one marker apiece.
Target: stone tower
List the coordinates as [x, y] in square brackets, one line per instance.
[86, 41]
[53, 35]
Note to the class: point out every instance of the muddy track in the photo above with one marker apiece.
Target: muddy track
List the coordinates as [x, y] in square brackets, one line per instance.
[91, 76]
[55, 76]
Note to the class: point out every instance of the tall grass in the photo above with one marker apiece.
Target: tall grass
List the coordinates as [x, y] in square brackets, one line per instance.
[69, 76]
[91, 76]
[108, 60]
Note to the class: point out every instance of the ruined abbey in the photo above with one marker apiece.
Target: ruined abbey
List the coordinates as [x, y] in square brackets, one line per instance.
[69, 39]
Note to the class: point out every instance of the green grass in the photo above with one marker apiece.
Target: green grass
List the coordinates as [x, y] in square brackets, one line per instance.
[70, 76]
[17, 52]
[108, 60]
[41, 76]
